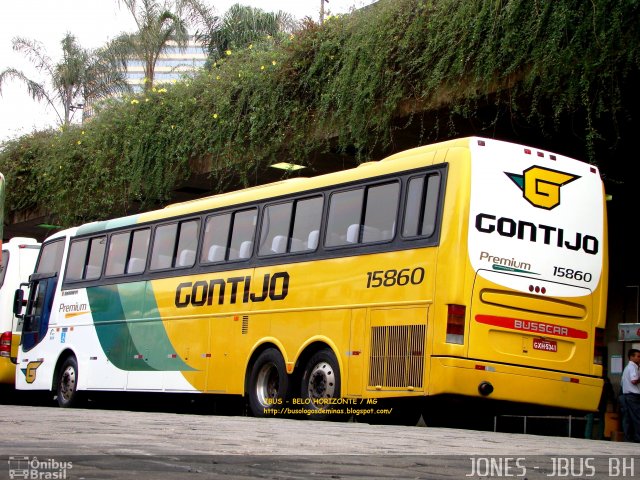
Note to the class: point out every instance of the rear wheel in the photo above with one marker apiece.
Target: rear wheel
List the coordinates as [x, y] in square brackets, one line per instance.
[321, 384]
[268, 383]
[67, 383]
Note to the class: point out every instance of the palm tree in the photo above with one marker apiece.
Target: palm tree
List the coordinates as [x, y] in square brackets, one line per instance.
[242, 26]
[159, 25]
[78, 80]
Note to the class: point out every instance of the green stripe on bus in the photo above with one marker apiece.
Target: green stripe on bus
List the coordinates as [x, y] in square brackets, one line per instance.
[130, 342]
[147, 331]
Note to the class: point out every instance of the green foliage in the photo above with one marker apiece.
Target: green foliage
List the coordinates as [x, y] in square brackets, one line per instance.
[347, 84]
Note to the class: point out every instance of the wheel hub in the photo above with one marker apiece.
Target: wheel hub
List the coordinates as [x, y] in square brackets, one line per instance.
[68, 383]
[322, 381]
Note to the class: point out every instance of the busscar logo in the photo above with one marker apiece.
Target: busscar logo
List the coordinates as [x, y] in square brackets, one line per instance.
[30, 371]
[541, 186]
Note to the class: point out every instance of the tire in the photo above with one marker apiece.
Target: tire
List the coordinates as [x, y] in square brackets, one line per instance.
[268, 384]
[321, 381]
[67, 383]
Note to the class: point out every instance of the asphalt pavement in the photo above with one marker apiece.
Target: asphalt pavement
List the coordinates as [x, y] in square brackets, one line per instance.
[42, 442]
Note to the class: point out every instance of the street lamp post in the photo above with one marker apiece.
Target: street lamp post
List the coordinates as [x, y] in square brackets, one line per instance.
[322, 2]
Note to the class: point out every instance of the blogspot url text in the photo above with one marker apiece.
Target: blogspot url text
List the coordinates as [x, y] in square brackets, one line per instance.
[327, 411]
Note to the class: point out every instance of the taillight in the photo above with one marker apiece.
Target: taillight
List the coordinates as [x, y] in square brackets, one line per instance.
[598, 347]
[455, 323]
[5, 344]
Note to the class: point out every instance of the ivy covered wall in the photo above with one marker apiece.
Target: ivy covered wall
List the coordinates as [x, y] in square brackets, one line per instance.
[561, 73]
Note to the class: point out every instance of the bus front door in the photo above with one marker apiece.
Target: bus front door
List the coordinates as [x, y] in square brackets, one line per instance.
[38, 310]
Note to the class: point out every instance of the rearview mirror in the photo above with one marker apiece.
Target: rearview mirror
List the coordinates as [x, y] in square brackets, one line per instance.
[18, 302]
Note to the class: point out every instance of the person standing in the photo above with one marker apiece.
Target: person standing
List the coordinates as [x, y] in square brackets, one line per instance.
[630, 398]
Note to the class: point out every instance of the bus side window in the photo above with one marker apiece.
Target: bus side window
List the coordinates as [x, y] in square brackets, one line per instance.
[85, 259]
[174, 245]
[139, 251]
[97, 248]
[162, 250]
[216, 238]
[422, 206]
[274, 232]
[345, 209]
[431, 205]
[244, 226]
[117, 256]
[187, 243]
[278, 235]
[306, 221]
[77, 257]
[381, 211]
[127, 249]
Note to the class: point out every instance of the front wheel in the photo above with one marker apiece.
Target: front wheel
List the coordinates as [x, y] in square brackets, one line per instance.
[320, 385]
[67, 383]
[268, 384]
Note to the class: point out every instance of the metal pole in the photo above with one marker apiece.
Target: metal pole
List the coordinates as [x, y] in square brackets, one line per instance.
[569, 426]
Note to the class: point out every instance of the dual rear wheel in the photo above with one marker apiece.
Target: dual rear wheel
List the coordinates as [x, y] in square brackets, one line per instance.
[269, 387]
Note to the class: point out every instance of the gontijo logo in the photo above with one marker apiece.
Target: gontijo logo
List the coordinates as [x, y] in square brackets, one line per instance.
[541, 186]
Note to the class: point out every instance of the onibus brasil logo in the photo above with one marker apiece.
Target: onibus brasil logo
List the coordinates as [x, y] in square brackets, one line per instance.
[541, 186]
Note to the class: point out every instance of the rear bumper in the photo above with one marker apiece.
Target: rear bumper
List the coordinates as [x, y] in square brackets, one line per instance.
[514, 384]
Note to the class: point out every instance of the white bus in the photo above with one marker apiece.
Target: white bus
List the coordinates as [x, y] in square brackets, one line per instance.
[19, 257]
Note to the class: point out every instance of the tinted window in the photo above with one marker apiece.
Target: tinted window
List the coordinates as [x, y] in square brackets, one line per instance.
[117, 257]
[139, 250]
[216, 238]
[345, 211]
[163, 246]
[422, 206]
[187, 244]
[431, 205]
[85, 259]
[174, 245]
[244, 226]
[77, 257]
[274, 234]
[97, 247]
[127, 252]
[50, 257]
[380, 205]
[306, 224]
[276, 226]
[381, 212]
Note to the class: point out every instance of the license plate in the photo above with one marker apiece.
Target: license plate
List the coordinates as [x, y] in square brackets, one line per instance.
[546, 345]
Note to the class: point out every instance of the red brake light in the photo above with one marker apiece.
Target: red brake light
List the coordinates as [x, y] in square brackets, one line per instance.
[455, 323]
[5, 344]
[598, 346]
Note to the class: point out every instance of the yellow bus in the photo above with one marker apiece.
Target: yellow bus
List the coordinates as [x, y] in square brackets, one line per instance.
[473, 267]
